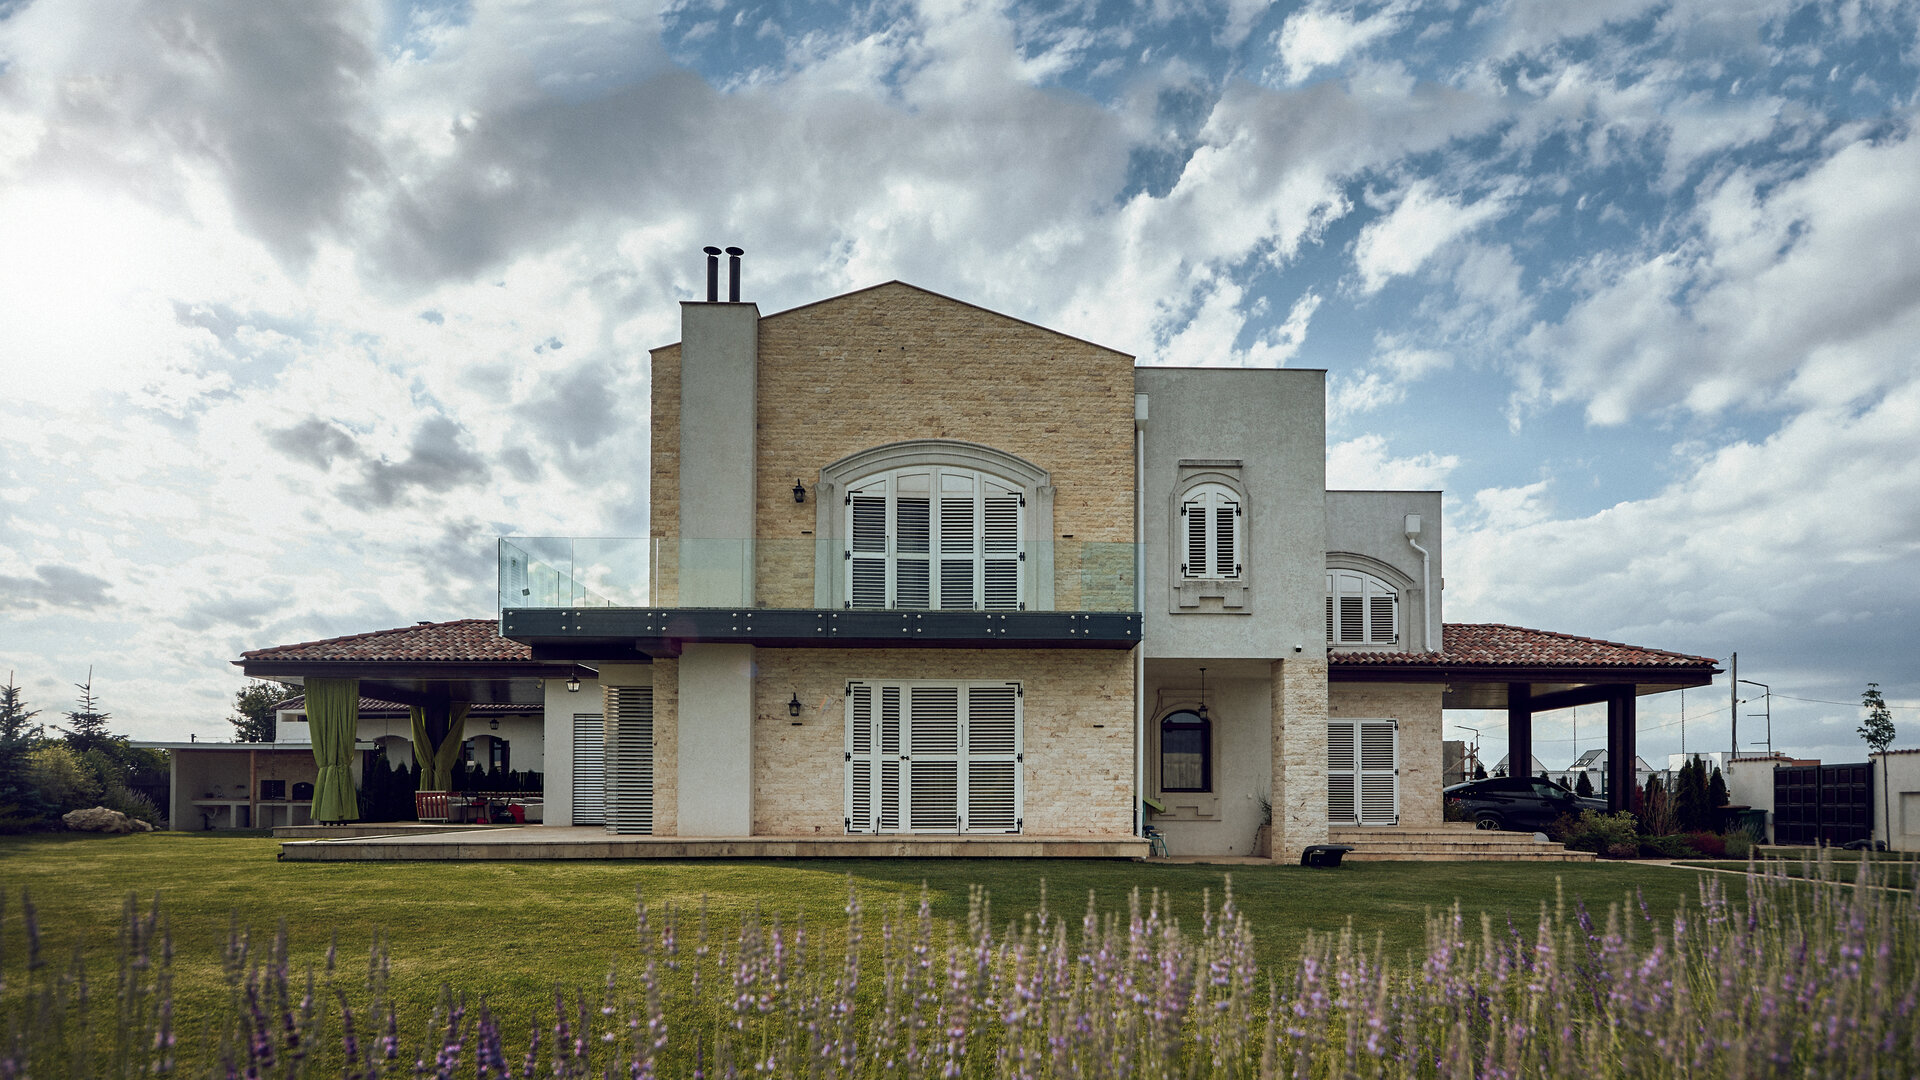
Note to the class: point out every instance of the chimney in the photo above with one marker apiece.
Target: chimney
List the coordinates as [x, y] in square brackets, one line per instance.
[719, 376]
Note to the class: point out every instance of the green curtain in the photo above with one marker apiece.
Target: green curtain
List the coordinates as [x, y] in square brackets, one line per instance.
[437, 762]
[333, 717]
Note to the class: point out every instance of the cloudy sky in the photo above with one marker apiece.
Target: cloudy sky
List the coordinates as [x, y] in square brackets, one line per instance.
[302, 305]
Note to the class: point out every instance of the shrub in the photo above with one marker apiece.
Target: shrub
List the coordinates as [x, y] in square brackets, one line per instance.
[134, 804]
[1709, 845]
[1671, 846]
[62, 780]
[1739, 844]
[1595, 832]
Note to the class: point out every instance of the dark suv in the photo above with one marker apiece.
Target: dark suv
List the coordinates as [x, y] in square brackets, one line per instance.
[1516, 802]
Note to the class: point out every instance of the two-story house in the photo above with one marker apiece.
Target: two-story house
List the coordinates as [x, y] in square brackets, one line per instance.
[920, 569]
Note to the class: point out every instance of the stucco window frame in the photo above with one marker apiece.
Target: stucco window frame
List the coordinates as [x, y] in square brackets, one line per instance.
[1406, 589]
[1185, 595]
[830, 520]
[1207, 777]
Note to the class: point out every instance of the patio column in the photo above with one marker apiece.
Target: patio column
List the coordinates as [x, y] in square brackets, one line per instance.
[1622, 748]
[1520, 729]
[1299, 689]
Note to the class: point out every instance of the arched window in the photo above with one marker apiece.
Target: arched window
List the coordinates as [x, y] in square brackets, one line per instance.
[1210, 520]
[1186, 752]
[935, 537]
[1361, 609]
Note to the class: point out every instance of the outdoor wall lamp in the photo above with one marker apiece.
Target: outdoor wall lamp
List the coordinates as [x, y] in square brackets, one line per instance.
[493, 724]
[573, 684]
[1203, 694]
[799, 492]
[793, 707]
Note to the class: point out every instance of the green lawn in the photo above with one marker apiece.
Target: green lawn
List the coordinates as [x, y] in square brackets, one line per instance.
[515, 929]
[1897, 869]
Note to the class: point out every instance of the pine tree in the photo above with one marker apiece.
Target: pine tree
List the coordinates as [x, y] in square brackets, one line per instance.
[88, 730]
[1583, 787]
[1716, 799]
[19, 801]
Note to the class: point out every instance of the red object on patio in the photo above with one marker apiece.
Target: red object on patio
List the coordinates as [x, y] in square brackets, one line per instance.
[431, 805]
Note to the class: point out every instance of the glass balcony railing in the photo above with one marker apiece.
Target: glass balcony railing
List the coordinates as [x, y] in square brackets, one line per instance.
[572, 572]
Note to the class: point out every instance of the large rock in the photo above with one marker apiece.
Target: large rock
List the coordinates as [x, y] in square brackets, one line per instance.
[101, 819]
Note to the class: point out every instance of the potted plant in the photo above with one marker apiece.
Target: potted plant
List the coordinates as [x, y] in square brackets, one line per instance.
[1263, 836]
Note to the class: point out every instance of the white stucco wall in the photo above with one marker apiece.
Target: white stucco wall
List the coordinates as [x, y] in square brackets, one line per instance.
[1898, 777]
[1240, 708]
[1372, 525]
[1273, 422]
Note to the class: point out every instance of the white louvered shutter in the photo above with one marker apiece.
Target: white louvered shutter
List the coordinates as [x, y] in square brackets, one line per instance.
[913, 541]
[891, 759]
[867, 546]
[1226, 540]
[1194, 515]
[1361, 609]
[959, 541]
[993, 794]
[933, 758]
[1001, 551]
[1379, 772]
[861, 751]
[1211, 517]
[589, 769]
[629, 750]
[1343, 766]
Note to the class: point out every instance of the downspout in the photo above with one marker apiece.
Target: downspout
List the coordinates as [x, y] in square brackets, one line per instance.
[1140, 605]
[1433, 644]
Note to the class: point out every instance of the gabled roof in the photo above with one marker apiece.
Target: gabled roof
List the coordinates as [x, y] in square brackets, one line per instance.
[896, 285]
[460, 641]
[1484, 645]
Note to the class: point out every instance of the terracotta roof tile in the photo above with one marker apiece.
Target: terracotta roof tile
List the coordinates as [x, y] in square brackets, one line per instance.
[376, 707]
[462, 640]
[1498, 645]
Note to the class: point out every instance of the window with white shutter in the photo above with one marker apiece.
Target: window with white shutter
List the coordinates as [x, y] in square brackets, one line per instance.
[629, 759]
[1363, 772]
[935, 537]
[935, 756]
[589, 769]
[1211, 520]
[1361, 609]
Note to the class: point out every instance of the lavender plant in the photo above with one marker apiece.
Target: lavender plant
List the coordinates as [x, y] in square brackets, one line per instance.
[1795, 977]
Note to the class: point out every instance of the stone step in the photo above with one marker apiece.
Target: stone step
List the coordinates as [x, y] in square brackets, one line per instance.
[1449, 842]
[1555, 854]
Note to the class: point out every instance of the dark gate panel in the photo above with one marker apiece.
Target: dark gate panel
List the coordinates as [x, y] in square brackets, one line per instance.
[1822, 804]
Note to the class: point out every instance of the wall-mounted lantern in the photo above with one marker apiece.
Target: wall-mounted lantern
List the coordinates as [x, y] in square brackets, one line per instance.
[799, 492]
[573, 684]
[793, 707]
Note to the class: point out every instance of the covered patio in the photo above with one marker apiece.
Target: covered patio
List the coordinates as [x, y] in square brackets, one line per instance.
[439, 671]
[1525, 672]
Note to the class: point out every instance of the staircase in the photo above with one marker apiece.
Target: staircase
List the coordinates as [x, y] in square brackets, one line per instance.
[1449, 842]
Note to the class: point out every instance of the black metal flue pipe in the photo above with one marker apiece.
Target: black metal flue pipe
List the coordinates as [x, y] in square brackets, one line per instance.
[733, 274]
[713, 275]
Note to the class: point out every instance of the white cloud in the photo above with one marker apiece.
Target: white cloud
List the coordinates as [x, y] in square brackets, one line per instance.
[1366, 462]
[1418, 226]
[1320, 36]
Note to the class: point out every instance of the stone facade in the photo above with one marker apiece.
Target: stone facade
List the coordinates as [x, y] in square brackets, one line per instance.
[893, 363]
[1078, 732]
[1417, 707]
[1299, 757]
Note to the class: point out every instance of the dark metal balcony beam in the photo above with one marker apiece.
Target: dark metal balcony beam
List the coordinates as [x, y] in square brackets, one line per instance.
[608, 634]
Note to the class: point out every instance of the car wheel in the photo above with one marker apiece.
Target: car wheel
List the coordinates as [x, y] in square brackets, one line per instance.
[1488, 820]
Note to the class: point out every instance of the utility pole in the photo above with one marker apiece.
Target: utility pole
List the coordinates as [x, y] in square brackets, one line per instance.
[1733, 692]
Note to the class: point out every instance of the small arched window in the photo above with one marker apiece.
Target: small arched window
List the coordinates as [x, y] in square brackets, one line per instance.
[1186, 752]
[1210, 521]
[1361, 609]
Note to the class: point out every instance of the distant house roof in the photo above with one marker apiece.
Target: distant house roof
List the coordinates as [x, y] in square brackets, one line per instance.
[376, 707]
[1497, 645]
[459, 641]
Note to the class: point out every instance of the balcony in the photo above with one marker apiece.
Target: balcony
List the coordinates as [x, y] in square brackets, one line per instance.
[630, 598]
